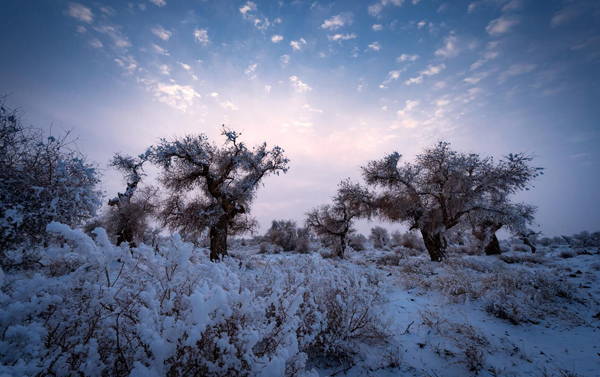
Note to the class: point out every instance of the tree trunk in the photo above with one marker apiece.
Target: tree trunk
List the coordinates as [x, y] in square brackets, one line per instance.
[529, 243]
[342, 248]
[435, 244]
[218, 240]
[493, 247]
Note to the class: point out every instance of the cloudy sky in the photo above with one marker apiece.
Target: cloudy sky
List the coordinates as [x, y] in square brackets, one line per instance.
[334, 83]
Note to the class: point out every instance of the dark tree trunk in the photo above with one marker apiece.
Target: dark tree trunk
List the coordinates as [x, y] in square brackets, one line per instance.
[435, 244]
[493, 247]
[218, 240]
[342, 248]
[529, 243]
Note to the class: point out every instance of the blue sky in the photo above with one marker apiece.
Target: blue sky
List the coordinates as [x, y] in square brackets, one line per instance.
[334, 83]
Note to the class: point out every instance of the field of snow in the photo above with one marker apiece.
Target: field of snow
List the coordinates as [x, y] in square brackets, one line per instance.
[98, 309]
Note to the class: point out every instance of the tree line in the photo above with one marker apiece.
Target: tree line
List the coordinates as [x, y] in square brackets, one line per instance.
[206, 189]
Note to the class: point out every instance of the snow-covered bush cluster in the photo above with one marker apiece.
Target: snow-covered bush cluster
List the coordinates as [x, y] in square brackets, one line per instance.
[96, 309]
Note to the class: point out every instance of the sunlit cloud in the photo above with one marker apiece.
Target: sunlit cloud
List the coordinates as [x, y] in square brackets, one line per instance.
[160, 32]
[407, 58]
[375, 46]
[377, 27]
[336, 22]
[297, 45]
[376, 9]
[179, 97]
[298, 85]
[430, 71]
[95, 43]
[276, 38]
[159, 3]
[201, 36]
[341, 37]
[502, 25]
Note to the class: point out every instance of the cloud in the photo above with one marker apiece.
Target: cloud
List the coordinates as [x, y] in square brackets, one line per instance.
[128, 63]
[377, 27]
[515, 70]
[159, 3]
[229, 106]
[488, 54]
[177, 96]
[336, 22]
[512, 5]
[569, 13]
[160, 32]
[297, 45]
[95, 43]
[439, 85]
[185, 66]
[476, 78]
[201, 36]
[407, 58]
[160, 50]
[375, 9]
[298, 85]
[276, 38]
[375, 46]
[164, 69]
[311, 109]
[453, 46]
[120, 42]
[421, 24]
[248, 7]
[81, 12]
[430, 71]
[442, 8]
[501, 25]
[268, 88]
[392, 76]
[285, 59]
[341, 37]
[108, 10]
[251, 68]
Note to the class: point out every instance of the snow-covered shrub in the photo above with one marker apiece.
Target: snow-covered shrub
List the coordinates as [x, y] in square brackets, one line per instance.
[357, 241]
[96, 309]
[379, 237]
[303, 241]
[42, 179]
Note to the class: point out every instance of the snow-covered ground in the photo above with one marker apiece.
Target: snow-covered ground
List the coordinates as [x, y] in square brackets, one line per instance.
[95, 307]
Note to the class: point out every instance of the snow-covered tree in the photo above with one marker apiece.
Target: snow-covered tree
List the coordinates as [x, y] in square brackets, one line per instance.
[42, 179]
[380, 237]
[211, 187]
[333, 223]
[443, 188]
[127, 219]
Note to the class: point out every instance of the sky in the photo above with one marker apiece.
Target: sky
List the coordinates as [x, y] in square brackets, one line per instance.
[335, 84]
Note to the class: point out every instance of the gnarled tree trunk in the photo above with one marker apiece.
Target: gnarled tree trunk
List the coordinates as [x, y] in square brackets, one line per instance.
[218, 240]
[493, 247]
[435, 244]
[486, 234]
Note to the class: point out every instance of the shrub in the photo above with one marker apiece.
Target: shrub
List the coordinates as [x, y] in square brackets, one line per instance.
[283, 233]
[96, 309]
[357, 242]
[379, 237]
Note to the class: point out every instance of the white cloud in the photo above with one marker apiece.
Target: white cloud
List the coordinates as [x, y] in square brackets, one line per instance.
[185, 66]
[512, 5]
[177, 96]
[430, 71]
[472, 7]
[81, 12]
[251, 68]
[160, 32]
[409, 106]
[164, 69]
[128, 63]
[95, 43]
[439, 85]
[298, 85]
[276, 38]
[278, 20]
[407, 58]
[214, 94]
[502, 25]
[476, 78]
[375, 46]
[336, 22]
[285, 59]
[359, 88]
[377, 27]
[421, 24]
[392, 76]
[229, 106]
[108, 10]
[201, 36]
[442, 8]
[384, 108]
[311, 109]
[375, 9]
[248, 7]
[451, 47]
[488, 54]
[341, 37]
[515, 70]
[160, 3]
[268, 88]
[160, 50]
[120, 42]
[297, 45]
[81, 29]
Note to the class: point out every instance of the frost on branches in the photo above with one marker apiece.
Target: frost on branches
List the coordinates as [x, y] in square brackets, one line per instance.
[444, 188]
[42, 179]
[96, 309]
[212, 187]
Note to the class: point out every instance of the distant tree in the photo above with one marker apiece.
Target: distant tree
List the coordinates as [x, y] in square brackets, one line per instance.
[357, 241]
[442, 188]
[334, 222]
[379, 237]
[130, 211]
[211, 187]
[42, 179]
[283, 233]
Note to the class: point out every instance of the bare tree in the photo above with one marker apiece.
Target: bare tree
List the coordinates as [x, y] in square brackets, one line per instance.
[128, 217]
[443, 187]
[334, 222]
[211, 187]
[42, 179]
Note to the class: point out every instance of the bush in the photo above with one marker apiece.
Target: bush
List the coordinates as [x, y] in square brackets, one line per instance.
[283, 233]
[357, 242]
[96, 309]
[42, 179]
[412, 240]
[379, 237]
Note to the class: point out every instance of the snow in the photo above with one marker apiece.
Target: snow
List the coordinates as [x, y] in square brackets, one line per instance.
[150, 312]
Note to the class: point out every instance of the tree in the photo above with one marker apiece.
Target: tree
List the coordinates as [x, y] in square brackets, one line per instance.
[128, 217]
[42, 179]
[334, 222]
[442, 188]
[379, 237]
[211, 187]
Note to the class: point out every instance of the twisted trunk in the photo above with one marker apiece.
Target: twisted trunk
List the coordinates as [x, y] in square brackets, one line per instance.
[218, 239]
[435, 244]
